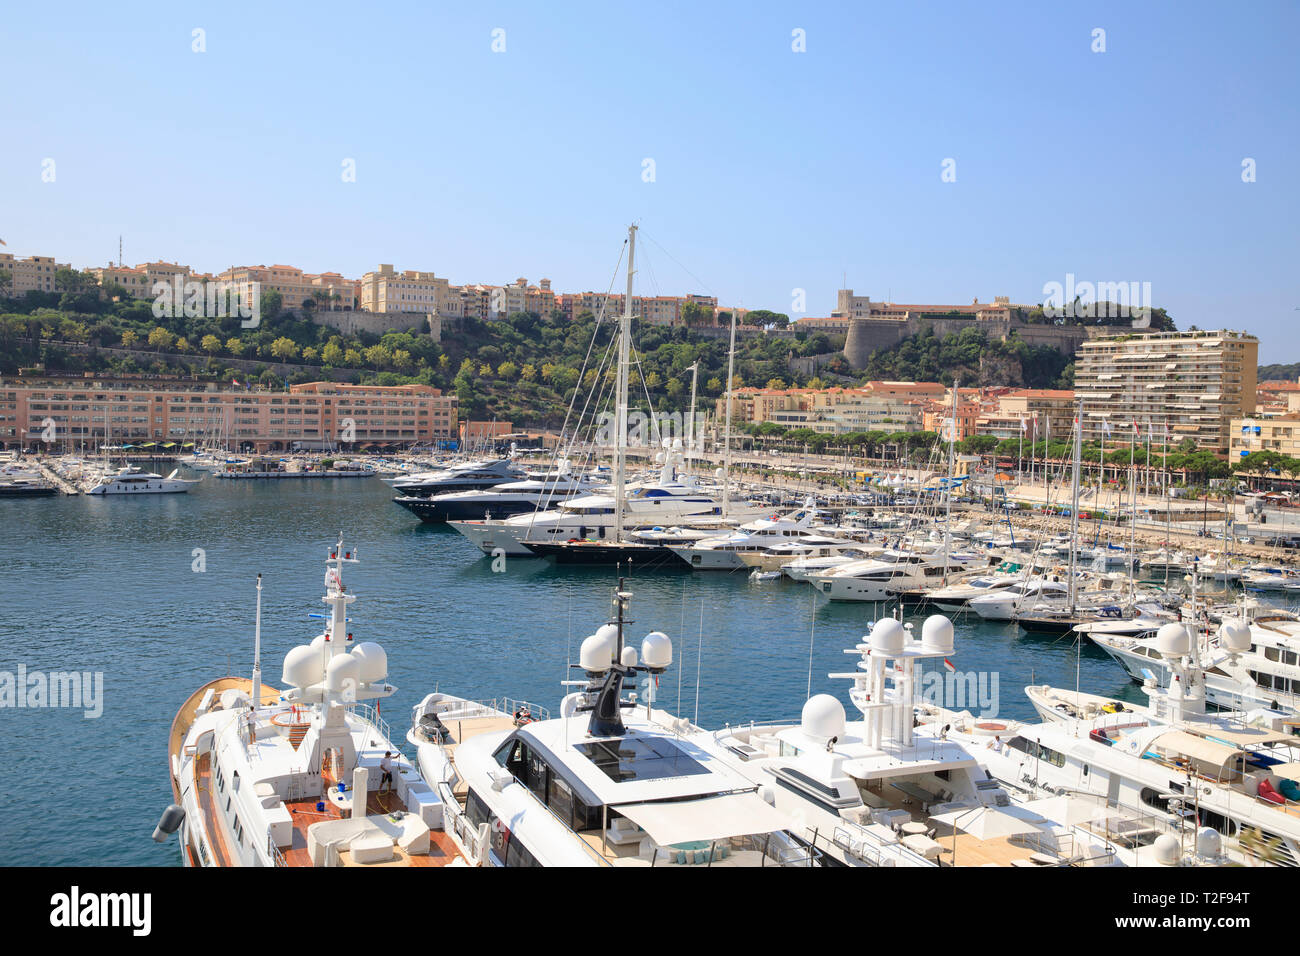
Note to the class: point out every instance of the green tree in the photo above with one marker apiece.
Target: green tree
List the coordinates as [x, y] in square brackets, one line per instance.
[284, 348]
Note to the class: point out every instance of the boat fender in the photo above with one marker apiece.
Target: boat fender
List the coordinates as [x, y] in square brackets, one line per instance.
[168, 823]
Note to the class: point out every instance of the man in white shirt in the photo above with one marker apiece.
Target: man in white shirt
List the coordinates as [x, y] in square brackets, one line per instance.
[386, 765]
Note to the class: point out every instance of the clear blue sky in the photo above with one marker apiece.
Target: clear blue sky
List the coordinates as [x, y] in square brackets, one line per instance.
[775, 170]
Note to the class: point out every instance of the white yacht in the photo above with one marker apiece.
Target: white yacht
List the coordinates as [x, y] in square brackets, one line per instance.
[1265, 676]
[538, 490]
[1004, 603]
[132, 480]
[955, 597]
[881, 792]
[671, 500]
[307, 776]
[805, 565]
[725, 552]
[463, 476]
[1232, 787]
[882, 577]
[609, 782]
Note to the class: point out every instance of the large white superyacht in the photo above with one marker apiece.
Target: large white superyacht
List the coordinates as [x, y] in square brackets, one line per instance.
[307, 776]
[611, 781]
[882, 791]
[1226, 785]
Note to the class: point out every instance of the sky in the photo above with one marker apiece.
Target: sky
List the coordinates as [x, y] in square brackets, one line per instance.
[493, 141]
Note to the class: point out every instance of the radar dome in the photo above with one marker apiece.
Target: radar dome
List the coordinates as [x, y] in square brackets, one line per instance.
[596, 653]
[373, 661]
[1209, 842]
[302, 667]
[343, 671]
[1165, 849]
[318, 642]
[656, 650]
[936, 635]
[823, 717]
[628, 657]
[1234, 636]
[887, 637]
[1172, 640]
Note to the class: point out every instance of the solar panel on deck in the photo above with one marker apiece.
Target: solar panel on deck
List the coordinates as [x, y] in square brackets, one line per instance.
[640, 758]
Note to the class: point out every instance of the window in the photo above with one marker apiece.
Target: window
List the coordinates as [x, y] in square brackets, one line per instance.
[517, 855]
[560, 799]
[477, 810]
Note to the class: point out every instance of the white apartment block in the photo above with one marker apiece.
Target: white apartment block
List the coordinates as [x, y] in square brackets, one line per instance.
[1197, 382]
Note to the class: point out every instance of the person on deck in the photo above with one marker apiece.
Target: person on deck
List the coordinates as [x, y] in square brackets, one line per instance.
[386, 765]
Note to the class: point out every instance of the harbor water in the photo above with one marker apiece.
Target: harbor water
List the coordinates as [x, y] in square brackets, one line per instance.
[157, 592]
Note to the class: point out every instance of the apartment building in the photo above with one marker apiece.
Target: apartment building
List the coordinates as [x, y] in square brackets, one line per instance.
[138, 281]
[1197, 382]
[832, 411]
[33, 274]
[87, 413]
[1278, 433]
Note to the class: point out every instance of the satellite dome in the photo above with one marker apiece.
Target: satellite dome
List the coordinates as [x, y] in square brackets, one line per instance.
[628, 657]
[1172, 640]
[937, 635]
[656, 650]
[373, 661]
[1166, 849]
[1209, 842]
[302, 666]
[1234, 636]
[887, 637]
[596, 653]
[823, 717]
[318, 642]
[343, 671]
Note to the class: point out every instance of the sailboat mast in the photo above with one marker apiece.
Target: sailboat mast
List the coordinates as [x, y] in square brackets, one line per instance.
[690, 415]
[1074, 501]
[620, 424]
[726, 435]
[952, 469]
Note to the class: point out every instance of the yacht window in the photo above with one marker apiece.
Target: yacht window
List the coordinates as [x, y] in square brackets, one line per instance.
[535, 775]
[640, 758]
[476, 810]
[1272, 654]
[560, 799]
[1289, 658]
[517, 855]
[1153, 799]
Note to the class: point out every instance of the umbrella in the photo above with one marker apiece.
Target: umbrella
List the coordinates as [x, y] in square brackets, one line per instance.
[1068, 810]
[986, 823]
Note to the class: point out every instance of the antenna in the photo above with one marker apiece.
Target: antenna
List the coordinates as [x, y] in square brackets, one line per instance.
[699, 652]
[257, 649]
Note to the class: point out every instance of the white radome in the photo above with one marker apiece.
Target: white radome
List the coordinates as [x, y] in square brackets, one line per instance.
[1172, 640]
[373, 661]
[823, 717]
[888, 637]
[937, 635]
[656, 650]
[302, 667]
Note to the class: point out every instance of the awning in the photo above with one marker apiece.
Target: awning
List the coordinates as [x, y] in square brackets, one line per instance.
[709, 818]
[1251, 736]
[1197, 748]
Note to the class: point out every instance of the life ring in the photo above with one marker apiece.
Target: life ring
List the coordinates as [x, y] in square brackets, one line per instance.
[523, 716]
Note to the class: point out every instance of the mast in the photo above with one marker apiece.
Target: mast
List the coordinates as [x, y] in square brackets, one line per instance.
[726, 435]
[1074, 503]
[257, 649]
[690, 415]
[624, 354]
[952, 468]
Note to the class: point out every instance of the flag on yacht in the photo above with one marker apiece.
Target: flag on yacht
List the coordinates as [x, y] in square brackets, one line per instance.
[948, 666]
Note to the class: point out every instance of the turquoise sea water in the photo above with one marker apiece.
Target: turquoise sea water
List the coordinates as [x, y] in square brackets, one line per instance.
[108, 585]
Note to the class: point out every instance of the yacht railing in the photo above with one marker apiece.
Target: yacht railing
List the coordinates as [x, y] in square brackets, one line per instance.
[273, 851]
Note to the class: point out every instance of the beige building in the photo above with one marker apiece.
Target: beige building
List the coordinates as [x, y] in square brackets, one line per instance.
[850, 306]
[328, 290]
[170, 413]
[387, 290]
[1197, 382]
[33, 274]
[832, 411]
[1279, 433]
